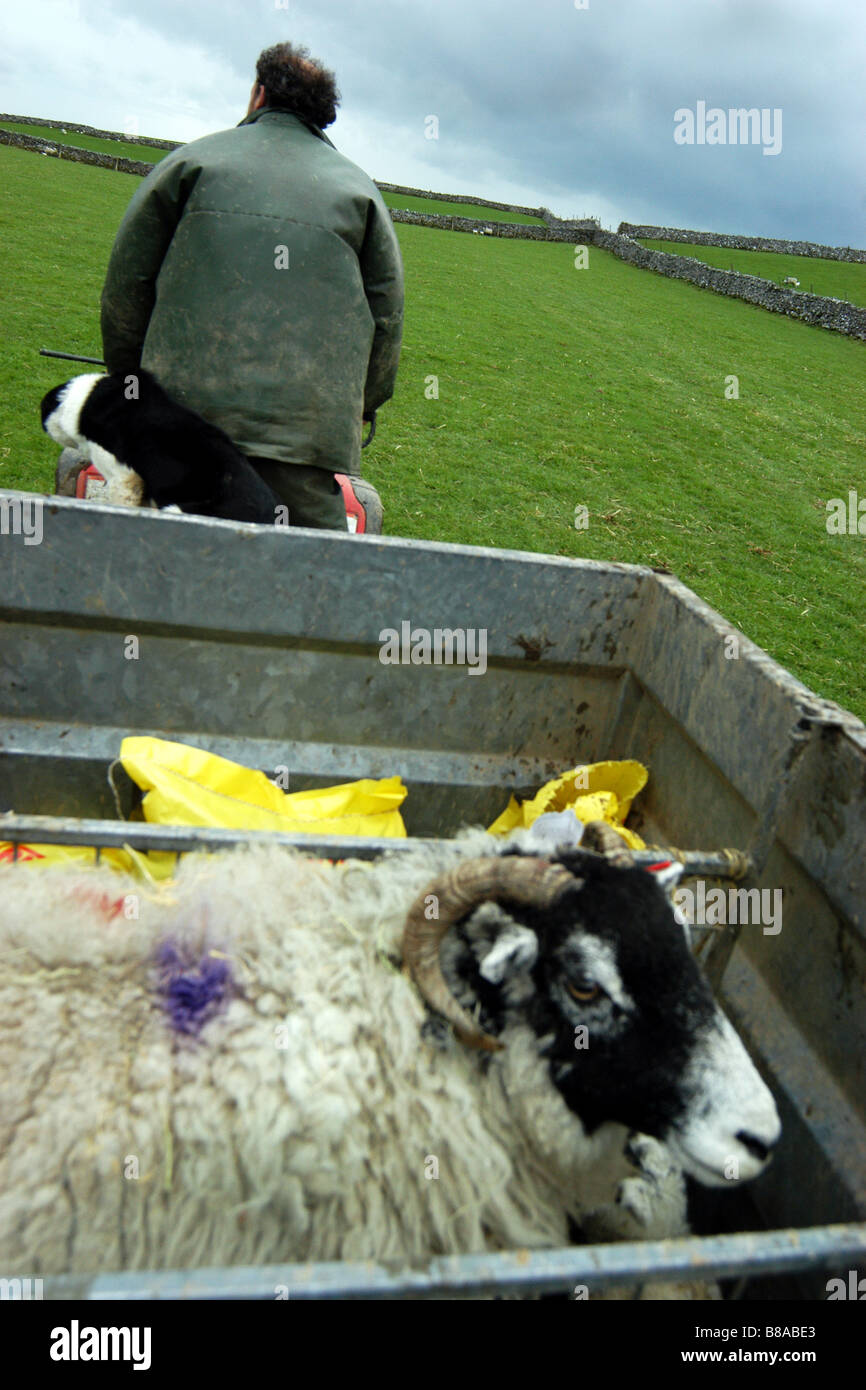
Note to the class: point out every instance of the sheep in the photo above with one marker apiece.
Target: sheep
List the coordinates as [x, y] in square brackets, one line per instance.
[273, 1059]
[147, 445]
[791, 280]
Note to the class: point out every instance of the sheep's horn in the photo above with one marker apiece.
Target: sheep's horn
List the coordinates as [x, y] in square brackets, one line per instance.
[531, 881]
[598, 835]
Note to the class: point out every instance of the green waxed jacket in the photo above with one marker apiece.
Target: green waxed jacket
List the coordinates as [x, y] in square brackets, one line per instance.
[256, 273]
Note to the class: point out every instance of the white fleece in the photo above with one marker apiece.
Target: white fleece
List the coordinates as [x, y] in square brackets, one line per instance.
[309, 1118]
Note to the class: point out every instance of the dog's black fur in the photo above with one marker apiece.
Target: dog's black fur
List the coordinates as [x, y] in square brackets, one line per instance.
[182, 459]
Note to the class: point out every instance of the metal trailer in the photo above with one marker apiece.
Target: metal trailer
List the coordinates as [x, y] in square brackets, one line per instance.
[263, 645]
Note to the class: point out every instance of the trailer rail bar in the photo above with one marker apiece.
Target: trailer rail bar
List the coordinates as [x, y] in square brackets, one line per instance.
[513, 1271]
[181, 839]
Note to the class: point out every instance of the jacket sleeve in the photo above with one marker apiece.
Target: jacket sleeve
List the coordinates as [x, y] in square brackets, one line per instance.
[142, 241]
[382, 270]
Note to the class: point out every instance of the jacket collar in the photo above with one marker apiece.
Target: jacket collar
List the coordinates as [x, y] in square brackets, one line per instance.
[276, 112]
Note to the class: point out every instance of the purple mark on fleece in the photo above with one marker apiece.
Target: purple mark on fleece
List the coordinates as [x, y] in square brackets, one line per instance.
[194, 990]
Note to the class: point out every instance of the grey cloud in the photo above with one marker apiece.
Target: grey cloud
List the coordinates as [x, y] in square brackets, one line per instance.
[567, 107]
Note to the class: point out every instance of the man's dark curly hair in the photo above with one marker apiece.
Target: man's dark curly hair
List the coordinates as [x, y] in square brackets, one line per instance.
[293, 81]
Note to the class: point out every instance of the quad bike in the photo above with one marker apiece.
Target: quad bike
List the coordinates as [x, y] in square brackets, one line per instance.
[77, 477]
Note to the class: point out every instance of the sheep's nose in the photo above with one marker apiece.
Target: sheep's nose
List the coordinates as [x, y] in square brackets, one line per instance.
[758, 1148]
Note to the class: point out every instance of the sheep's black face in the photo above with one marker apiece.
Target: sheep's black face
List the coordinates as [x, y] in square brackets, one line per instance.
[608, 984]
[620, 998]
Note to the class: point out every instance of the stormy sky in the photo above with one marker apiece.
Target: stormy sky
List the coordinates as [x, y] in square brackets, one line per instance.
[568, 103]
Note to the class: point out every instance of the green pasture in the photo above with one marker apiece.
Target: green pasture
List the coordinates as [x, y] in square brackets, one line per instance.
[149, 154]
[530, 389]
[410, 204]
[839, 279]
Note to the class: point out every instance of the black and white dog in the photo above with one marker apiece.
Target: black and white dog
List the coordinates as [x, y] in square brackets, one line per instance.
[148, 447]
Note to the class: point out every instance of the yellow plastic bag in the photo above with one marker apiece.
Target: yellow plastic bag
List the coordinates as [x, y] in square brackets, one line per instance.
[596, 791]
[72, 856]
[149, 867]
[186, 786]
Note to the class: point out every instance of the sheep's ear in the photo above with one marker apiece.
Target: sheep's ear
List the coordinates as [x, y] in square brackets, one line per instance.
[554, 830]
[514, 950]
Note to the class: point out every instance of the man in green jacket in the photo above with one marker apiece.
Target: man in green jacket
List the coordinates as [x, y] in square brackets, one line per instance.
[256, 273]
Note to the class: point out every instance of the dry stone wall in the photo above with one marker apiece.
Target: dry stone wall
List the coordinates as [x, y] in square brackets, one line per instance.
[91, 130]
[743, 243]
[522, 231]
[456, 198]
[815, 309]
[578, 223]
[78, 156]
[819, 310]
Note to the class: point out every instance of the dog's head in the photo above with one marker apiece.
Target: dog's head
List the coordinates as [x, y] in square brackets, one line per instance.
[62, 406]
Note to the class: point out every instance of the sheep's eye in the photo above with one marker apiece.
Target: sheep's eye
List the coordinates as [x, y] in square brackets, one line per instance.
[584, 990]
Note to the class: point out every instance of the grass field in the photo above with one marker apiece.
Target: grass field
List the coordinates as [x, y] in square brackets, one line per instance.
[404, 200]
[150, 154]
[839, 279]
[557, 388]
